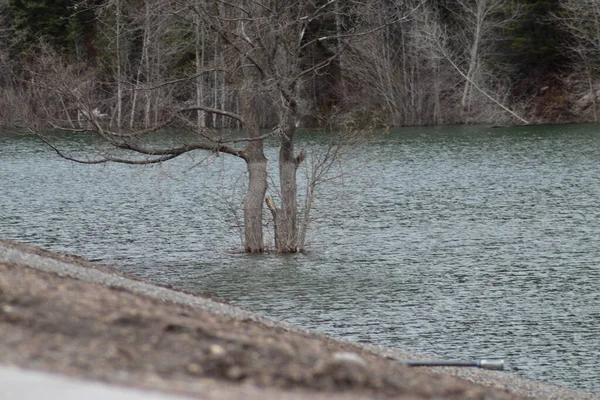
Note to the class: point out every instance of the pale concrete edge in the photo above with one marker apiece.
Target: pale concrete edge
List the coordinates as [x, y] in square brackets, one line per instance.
[23, 384]
[79, 268]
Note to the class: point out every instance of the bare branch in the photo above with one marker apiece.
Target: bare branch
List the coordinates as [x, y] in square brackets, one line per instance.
[214, 110]
[107, 159]
[176, 151]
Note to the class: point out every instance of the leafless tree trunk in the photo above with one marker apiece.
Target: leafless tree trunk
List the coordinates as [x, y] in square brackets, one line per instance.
[8, 96]
[119, 63]
[340, 47]
[200, 62]
[285, 216]
[257, 174]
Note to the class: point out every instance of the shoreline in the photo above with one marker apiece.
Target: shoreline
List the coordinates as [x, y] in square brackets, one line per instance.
[21, 131]
[75, 271]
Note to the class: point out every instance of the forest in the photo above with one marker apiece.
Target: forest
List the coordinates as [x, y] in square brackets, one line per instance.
[374, 63]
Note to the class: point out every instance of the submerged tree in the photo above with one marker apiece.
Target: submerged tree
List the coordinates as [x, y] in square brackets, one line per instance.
[260, 54]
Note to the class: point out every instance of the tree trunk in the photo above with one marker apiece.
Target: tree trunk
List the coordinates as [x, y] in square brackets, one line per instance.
[257, 180]
[286, 217]
[146, 60]
[119, 68]
[308, 202]
[200, 59]
[473, 57]
[215, 83]
[286, 234]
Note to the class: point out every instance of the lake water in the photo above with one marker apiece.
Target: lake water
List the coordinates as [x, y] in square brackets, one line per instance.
[454, 242]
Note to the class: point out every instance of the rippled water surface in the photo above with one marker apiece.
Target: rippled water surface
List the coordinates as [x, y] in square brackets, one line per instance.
[454, 242]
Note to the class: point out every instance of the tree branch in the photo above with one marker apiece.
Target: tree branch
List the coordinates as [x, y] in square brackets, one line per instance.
[215, 111]
[176, 151]
[108, 159]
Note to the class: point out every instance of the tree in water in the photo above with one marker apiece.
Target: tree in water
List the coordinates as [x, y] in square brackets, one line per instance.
[255, 51]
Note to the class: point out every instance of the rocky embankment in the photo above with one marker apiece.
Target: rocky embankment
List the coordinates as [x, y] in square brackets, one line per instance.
[62, 314]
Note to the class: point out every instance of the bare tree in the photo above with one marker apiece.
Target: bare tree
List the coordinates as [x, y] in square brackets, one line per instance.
[580, 19]
[466, 50]
[268, 40]
[9, 97]
[258, 55]
[399, 78]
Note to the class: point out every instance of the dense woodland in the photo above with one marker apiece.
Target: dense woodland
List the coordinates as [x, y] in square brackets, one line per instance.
[120, 70]
[382, 62]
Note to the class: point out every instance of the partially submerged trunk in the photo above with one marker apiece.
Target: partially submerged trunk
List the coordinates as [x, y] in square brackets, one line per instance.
[285, 216]
[257, 180]
[253, 203]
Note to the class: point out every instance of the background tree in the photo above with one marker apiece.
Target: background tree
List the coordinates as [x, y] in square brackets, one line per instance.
[7, 93]
[580, 20]
[533, 43]
[476, 26]
[459, 37]
[519, 62]
[59, 23]
[399, 79]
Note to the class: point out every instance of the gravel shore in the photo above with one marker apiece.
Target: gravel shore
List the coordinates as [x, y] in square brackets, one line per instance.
[73, 267]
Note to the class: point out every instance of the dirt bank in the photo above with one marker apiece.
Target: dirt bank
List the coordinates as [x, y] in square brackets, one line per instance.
[103, 328]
